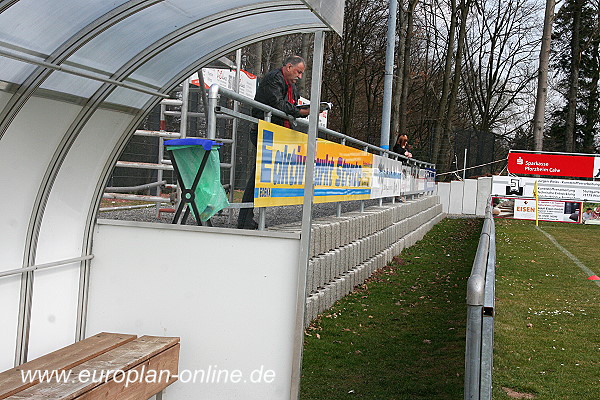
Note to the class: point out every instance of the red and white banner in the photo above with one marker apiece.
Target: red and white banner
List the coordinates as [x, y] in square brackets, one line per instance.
[554, 164]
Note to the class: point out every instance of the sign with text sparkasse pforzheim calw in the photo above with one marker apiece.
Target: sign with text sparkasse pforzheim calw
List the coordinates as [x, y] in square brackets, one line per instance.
[554, 164]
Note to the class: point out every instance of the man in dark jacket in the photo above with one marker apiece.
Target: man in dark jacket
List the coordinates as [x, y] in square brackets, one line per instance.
[278, 90]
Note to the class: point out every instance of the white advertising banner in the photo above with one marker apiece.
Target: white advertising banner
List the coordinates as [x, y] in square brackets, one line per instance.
[560, 189]
[548, 210]
[322, 115]
[226, 78]
[387, 177]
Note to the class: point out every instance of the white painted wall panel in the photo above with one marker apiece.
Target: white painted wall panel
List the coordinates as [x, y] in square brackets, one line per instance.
[25, 151]
[484, 189]
[470, 197]
[53, 310]
[456, 197]
[27, 148]
[443, 191]
[230, 297]
[9, 314]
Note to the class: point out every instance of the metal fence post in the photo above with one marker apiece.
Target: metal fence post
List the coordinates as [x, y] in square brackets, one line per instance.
[213, 98]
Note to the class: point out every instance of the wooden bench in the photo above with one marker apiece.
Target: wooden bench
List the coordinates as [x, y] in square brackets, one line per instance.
[103, 366]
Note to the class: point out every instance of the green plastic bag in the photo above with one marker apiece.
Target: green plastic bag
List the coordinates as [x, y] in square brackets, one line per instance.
[210, 195]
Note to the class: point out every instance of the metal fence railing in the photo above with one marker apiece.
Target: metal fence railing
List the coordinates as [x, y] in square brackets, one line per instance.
[480, 315]
[216, 112]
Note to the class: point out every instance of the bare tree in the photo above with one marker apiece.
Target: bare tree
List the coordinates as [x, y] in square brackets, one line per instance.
[542, 88]
[350, 66]
[410, 14]
[573, 76]
[444, 155]
[439, 121]
[499, 52]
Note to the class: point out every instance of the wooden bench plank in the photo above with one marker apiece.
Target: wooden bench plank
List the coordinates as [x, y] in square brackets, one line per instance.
[62, 359]
[144, 387]
[89, 375]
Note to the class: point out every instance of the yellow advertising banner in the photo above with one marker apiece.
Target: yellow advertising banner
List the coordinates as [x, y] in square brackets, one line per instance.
[342, 173]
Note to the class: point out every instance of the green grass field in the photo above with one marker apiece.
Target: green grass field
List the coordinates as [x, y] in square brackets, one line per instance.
[401, 335]
[547, 336]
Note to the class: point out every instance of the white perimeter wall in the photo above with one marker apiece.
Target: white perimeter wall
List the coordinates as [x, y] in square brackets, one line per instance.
[232, 310]
[468, 197]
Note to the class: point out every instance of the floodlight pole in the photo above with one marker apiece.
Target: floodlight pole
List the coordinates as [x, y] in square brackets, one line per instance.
[315, 98]
[386, 116]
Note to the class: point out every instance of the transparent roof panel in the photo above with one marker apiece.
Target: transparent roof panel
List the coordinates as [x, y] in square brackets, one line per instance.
[332, 12]
[127, 97]
[117, 45]
[71, 84]
[14, 71]
[54, 21]
[167, 64]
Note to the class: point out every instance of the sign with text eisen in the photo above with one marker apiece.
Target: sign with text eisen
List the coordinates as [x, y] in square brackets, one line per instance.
[554, 164]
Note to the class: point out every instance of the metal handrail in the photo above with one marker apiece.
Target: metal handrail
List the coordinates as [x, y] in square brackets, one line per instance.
[480, 315]
[215, 89]
[38, 267]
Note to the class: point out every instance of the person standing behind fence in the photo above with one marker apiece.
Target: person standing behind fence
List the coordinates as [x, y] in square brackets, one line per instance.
[278, 90]
[401, 146]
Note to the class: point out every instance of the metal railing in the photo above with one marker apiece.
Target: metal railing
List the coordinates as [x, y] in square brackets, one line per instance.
[480, 315]
[215, 112]
[215, 90]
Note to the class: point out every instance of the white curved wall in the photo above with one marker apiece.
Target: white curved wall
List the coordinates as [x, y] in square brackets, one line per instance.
[56, 292]
[53, 175]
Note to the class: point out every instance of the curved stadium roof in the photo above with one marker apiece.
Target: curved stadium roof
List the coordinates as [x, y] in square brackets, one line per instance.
[76, 77]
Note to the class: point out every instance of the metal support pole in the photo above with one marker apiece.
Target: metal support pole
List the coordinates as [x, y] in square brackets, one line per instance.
[159, 173]
[315, 97]
[465, 165]
[161, 151]
[211, 123]
[24, 324]
[262, 218]
[185, 96]
[234, 130]
[388, 81]
[203, 93]
[262, 211]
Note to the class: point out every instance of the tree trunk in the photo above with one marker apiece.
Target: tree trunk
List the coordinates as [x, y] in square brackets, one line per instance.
[412, 4]
[542, 84]
[302, 83]
[445, 155]
[399, 75]
[258, 54]
[573, 77]
[277, 59]
[441, 111]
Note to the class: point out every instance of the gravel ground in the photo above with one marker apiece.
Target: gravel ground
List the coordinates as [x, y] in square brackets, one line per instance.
[275, 215]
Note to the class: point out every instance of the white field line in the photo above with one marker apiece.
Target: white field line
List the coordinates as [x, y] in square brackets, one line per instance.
[581, 265]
